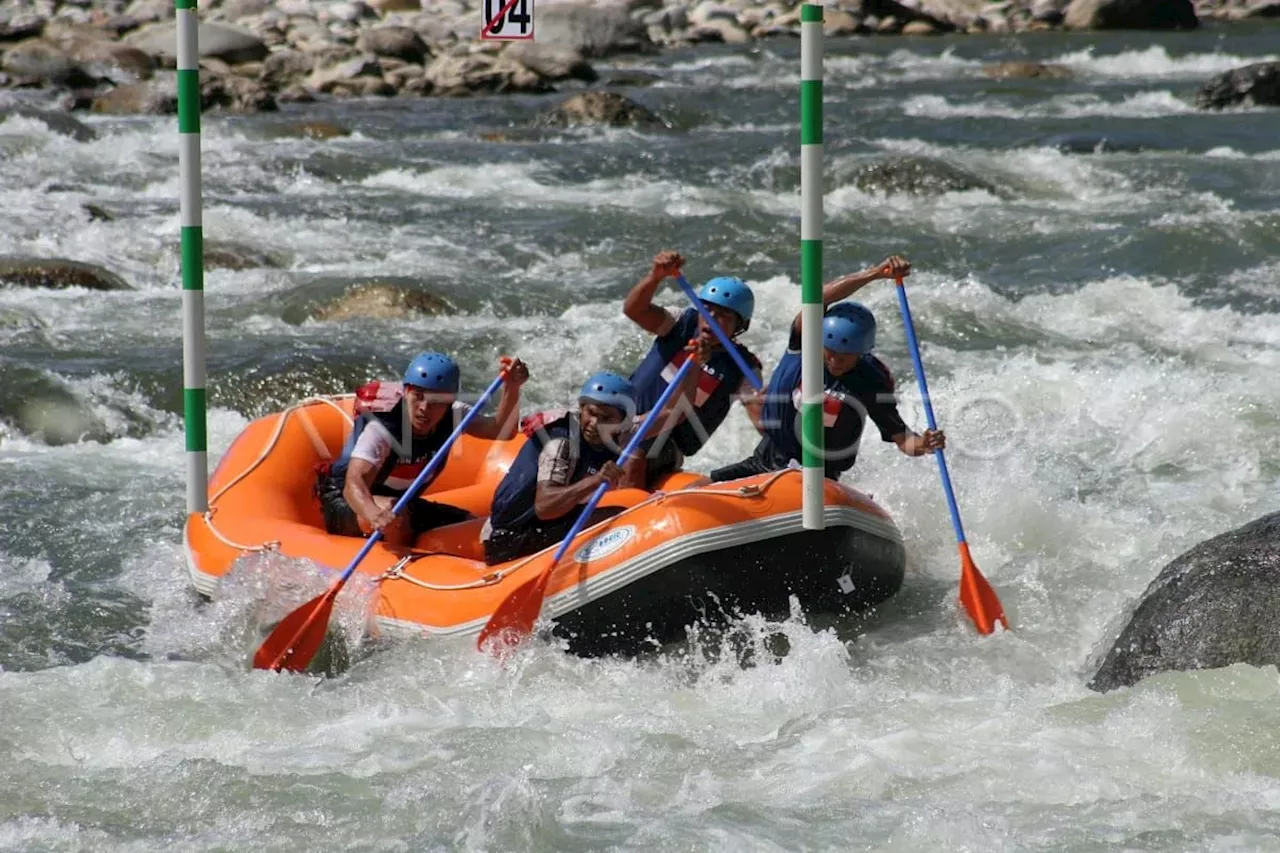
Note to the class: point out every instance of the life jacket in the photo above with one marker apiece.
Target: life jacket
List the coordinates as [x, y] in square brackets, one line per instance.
[514, 498]
[713, 397]
[383, 402]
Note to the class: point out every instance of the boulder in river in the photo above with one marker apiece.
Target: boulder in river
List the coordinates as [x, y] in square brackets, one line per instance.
[1253, 84]
[1026, 71]
[917, 176]
[377, 300]
[229, 255]
[1213, 606]
[596, 107]
[57, 273]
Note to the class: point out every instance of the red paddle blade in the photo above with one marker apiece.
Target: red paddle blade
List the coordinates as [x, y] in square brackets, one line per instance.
[515, 616]
[297, 638]
[977, 596]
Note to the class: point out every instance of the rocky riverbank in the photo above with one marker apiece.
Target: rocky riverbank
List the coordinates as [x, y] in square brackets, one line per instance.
[117, 56]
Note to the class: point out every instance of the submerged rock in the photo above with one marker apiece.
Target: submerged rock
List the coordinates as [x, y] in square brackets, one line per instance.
[600, 108]
[917, 176]
[1213, 606]
[1026, 71]
[57, 273]
[229, 255]
[381, 301]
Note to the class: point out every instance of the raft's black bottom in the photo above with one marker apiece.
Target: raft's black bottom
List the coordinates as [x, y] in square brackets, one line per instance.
[833, 571]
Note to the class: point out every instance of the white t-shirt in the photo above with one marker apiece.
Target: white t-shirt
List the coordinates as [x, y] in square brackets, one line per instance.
[375, 444]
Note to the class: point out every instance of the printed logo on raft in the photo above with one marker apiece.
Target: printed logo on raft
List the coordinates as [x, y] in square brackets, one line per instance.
[604, 544]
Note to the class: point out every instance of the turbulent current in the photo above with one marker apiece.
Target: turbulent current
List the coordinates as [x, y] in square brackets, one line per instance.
[1099, 325]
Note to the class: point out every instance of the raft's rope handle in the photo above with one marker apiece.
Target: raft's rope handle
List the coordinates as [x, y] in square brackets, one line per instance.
[266, 451]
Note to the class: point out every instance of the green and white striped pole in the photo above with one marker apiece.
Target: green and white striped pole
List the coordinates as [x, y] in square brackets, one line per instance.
[811, 365]
[193, 375]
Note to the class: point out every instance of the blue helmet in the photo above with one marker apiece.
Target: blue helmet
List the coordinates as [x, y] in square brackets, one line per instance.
[611, 390]
[849, 327]
[433, 371]
[731, 293]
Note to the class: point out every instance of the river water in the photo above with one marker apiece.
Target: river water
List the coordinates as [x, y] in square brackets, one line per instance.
[1101, 339]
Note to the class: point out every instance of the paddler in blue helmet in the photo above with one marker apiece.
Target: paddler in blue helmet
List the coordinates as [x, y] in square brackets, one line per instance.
[857, 385]
[567, 457]
[731, 303]
[399, 426]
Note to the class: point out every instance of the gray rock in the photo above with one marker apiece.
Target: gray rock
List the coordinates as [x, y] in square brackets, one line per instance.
[39, 60]
[326, 79]
[21, 26]
[1253, 84]
[401, 43]
[598, 108]
[1025, 71]
[455, 76]
[147, 11]
[99, 55]
[1211, 607]
[916, 176]
[553, 63]
[221, 41]
[592, 31]
[147, 98]
[57, 274]
[285, 67]
[377, 300]
[1262, 9]
[229, 255]
[1130, 15]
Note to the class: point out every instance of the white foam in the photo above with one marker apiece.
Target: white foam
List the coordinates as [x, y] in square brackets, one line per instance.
[1156, 62]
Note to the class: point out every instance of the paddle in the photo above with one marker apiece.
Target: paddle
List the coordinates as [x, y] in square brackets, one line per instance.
[294, 642]
[719, 332]
[977, 596]
[515, 616]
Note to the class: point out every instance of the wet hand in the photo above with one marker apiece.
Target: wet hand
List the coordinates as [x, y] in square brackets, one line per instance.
[895, 266]
[609, 473]
[381, 519]
[933, 439]
[667, 264]
[702, 348]
[517, 371]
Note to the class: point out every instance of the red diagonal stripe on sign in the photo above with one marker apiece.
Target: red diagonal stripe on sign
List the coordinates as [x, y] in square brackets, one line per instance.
[502, 13]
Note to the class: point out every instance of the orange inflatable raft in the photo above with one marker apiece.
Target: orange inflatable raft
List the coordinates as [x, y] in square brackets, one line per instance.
[670, 559]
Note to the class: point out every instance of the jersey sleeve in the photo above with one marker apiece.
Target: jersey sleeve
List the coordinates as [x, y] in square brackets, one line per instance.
[684, 327]
[373, 445]
[883, 407]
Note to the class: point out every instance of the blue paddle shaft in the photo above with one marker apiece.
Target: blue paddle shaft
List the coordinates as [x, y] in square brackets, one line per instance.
[719, 332]
[626, 452]
[434, 465]
[928, 408]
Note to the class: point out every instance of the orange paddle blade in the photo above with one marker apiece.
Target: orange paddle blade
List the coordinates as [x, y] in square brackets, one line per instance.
[977, 596]
[514, 618]
[297, 638]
